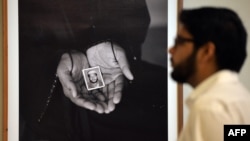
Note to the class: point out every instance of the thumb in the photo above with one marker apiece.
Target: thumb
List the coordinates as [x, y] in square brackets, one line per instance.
[127, 73]
[69, 87]
[123, 63]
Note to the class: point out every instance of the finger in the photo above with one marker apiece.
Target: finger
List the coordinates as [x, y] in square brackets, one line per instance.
[100, 96]
[105, 91]
[69, 88]
[64, 65]
[127, 73]
[79, 87]
[111, 89]
[89, 97]
[105, 107]
[73, 89]
[84, 89]
[119, 82]
[84, 103]
[111, 105]
[117, 97]
[111, 92]
[107, 78]
[79, 62]
[99, 108]
[63, 72]
[124, 65]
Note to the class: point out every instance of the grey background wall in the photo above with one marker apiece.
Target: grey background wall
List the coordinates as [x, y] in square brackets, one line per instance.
[153, 49]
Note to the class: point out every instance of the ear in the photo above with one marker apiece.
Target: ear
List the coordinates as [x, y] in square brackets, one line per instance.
[206, 53]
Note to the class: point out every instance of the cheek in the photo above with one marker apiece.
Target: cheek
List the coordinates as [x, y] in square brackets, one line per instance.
[181, 56]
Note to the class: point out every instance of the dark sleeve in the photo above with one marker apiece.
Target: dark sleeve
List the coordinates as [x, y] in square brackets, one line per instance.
[48, 28]
[78, 24]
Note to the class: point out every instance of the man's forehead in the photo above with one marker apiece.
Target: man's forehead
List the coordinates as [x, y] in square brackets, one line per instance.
[183, 32]
[92, 72]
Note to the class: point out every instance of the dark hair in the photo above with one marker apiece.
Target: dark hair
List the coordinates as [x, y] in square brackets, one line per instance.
[221, 26]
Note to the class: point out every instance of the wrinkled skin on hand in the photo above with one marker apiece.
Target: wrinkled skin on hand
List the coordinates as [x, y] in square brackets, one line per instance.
[114, 66]
[112, 63]
[72, 81]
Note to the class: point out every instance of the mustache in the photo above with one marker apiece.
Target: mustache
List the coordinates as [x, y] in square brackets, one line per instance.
[171, 60]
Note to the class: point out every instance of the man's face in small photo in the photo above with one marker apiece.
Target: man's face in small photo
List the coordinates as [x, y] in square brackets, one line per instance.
[92, 76]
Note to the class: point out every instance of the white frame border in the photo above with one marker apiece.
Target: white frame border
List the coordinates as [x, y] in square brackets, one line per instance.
[13, 72]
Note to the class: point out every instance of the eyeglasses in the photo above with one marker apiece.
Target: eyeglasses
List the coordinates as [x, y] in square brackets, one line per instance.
[181, 40]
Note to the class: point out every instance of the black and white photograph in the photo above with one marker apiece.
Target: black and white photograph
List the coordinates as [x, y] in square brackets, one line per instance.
[55, 51]
[59, 39]
[93, 78]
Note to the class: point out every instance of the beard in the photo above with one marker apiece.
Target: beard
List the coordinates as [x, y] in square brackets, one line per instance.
[183, 71]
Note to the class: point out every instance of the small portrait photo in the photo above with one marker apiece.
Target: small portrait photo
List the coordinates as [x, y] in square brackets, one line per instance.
[93, 78]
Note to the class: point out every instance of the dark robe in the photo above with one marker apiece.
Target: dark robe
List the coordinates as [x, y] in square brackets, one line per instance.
[48, 28]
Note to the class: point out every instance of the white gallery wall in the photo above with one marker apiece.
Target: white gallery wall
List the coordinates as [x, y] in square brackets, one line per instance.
[243, 10]
[13, 98]
[172, 86]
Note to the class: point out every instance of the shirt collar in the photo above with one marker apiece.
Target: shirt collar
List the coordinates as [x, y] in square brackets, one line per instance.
[218, 77]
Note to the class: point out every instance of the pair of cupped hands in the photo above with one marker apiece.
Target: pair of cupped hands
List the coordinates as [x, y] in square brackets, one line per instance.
[114, 66]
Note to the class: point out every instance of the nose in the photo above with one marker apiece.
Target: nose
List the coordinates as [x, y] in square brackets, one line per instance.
[170, 50]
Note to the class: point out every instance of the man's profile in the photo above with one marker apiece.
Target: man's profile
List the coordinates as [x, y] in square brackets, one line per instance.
[208, 54]
[93, 78]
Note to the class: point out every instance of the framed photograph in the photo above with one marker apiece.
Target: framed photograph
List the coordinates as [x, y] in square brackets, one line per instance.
[37, 33]
[93, 78]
